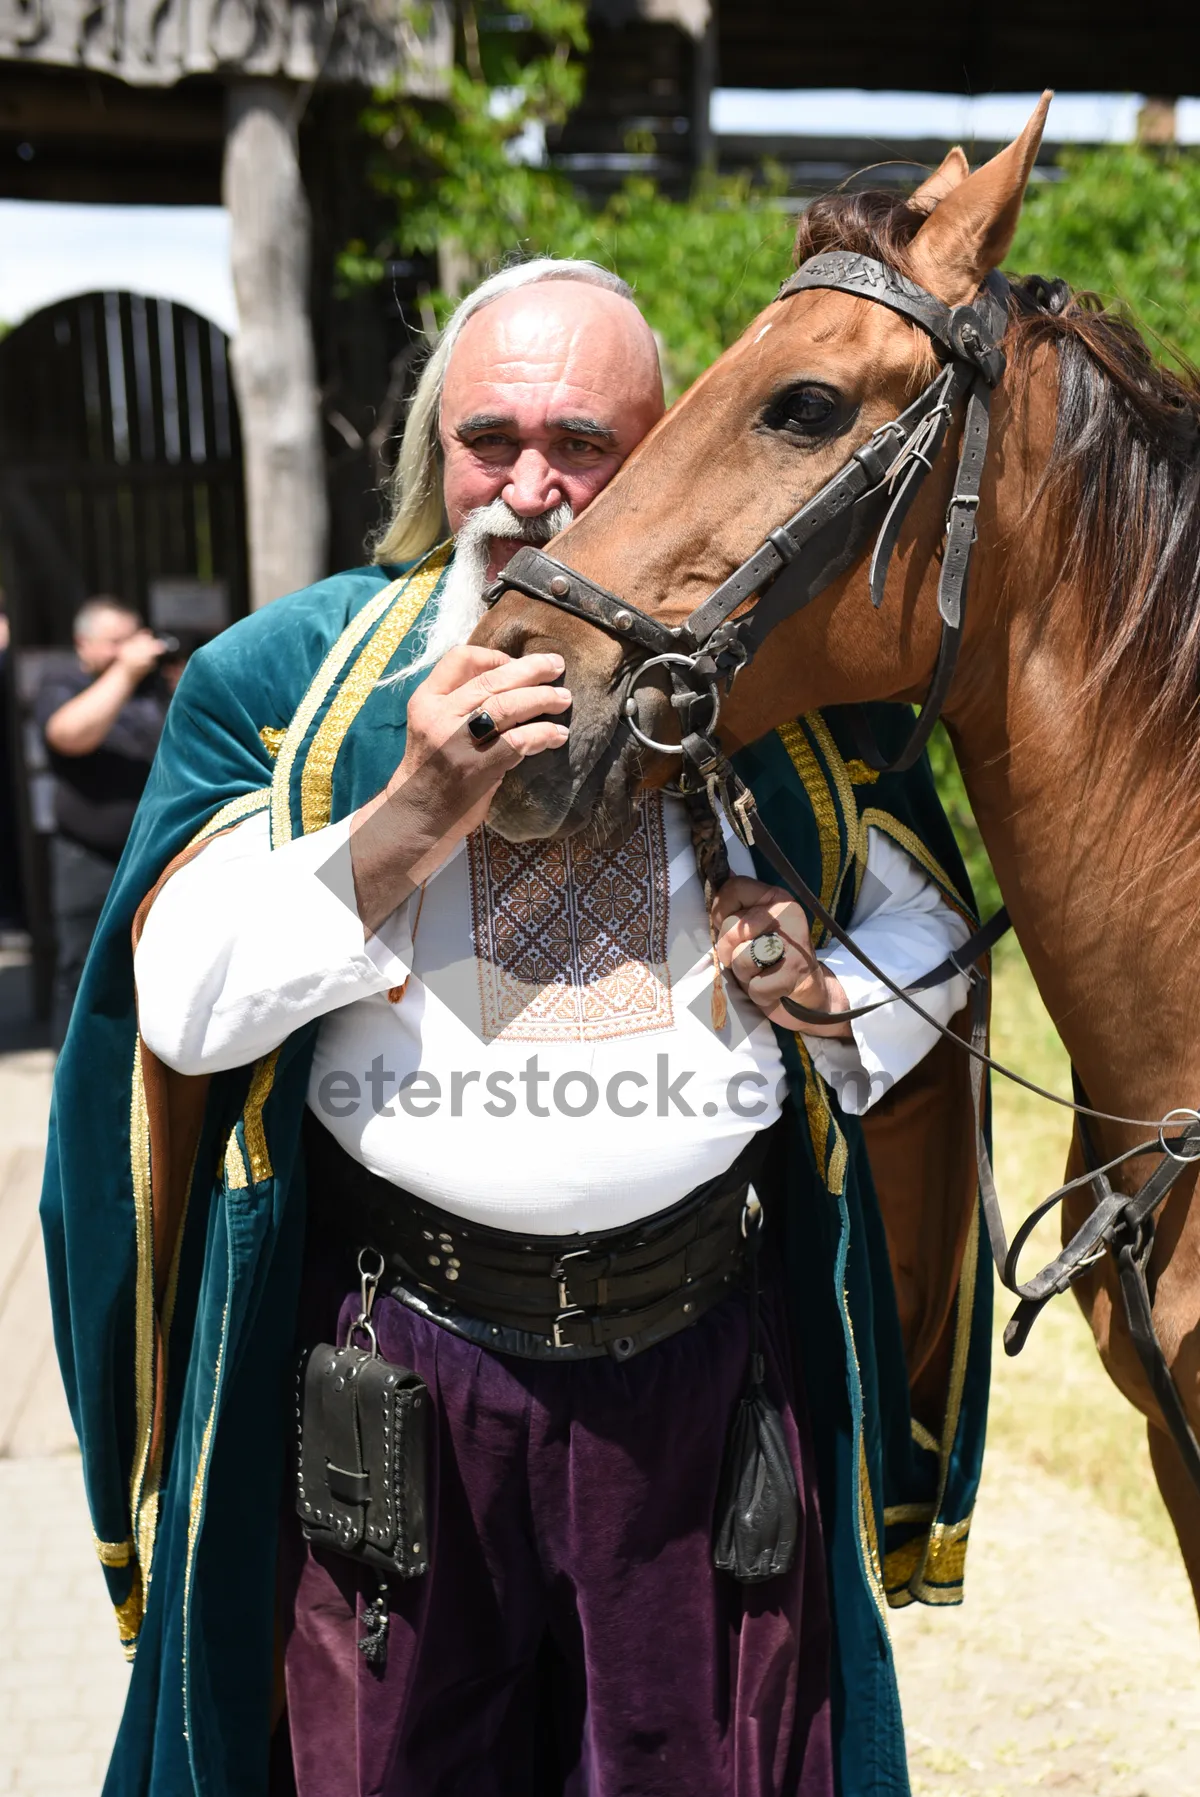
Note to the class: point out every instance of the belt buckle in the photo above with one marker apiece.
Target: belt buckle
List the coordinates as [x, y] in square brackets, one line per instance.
[559, 1272]
[566, 1315]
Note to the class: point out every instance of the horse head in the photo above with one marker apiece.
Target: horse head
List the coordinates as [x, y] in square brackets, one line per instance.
[809, 385]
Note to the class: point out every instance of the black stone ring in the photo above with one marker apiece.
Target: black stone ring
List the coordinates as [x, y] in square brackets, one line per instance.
[483, 728]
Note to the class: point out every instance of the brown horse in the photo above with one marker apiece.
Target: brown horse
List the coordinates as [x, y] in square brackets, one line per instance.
[1074, 709]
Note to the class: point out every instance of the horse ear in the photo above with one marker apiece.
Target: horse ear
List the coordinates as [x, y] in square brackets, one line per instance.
[950, 173]
[971, 231]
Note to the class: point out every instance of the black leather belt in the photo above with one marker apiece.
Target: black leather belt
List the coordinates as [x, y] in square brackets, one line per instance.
[574, 1297]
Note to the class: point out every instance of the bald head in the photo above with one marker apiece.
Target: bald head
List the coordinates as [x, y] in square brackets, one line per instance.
[547, 391]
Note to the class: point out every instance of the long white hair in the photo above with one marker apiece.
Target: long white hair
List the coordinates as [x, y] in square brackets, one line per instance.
[417, 517]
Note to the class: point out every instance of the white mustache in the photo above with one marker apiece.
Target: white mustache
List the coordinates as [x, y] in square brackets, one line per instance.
[460, 605]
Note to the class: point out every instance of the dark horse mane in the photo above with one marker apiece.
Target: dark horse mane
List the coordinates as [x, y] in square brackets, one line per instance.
[1125, 467]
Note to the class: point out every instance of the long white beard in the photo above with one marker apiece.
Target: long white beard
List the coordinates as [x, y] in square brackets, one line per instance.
[460, 603]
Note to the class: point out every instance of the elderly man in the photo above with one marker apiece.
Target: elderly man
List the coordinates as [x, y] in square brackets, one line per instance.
[495, 1072]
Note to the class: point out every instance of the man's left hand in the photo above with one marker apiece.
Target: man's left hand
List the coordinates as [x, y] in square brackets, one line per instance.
[744, 909]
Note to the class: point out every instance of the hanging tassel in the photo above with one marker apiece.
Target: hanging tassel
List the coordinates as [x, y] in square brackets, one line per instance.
[719, 1008]
[372, 1643]
[712, 864]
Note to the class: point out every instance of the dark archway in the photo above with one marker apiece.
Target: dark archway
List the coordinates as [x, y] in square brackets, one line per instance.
[120, 472]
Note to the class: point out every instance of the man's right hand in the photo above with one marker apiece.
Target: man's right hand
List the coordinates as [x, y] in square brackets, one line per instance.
[138, 655]
[443, 787]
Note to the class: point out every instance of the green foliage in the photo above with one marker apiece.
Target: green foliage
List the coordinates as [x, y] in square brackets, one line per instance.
[701, 268]
[1125, 222]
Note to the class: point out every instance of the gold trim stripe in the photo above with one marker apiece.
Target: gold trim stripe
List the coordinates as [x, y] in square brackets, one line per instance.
[867, 1526]
[253, 1133]
[820, 798]
[316, 781]
[821, 734]
[143, 1485]
[925, 1438]
[113, 1553]
[196, 1509]
[129, 1618]
[912, 845]
[236, 1177]
[327, 673]
[245, 805]
[898, 1513]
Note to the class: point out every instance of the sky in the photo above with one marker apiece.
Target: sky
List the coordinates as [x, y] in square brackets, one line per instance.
[48, 251]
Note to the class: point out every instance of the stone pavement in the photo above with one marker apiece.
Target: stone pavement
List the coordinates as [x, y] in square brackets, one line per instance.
[62, 1673]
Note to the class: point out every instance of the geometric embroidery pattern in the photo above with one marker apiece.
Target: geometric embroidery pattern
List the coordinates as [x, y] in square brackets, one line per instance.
[571, 942]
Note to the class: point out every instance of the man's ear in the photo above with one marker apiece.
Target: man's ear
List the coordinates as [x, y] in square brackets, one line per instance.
[950, 173]
[970, 231]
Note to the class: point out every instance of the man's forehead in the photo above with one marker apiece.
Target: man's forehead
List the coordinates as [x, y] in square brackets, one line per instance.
[562, 345]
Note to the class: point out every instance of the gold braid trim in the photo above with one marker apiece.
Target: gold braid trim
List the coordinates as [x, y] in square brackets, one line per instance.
[129, 1617]
[253, 1132]
[297, 730]
[936, 1561]
[245, 805]
[930, 1568]
[820, 797]
[147, 1459]
[113, 1553]
[823, 737]
[236, 1177]
[316, 780]
[925, 1438]
[898, 1513]
[816, 1107]
[868, 1531]
[196, 1508]
[143, 1484]
[912, 845]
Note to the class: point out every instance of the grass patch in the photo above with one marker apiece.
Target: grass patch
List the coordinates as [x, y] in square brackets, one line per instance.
[1054, 1405]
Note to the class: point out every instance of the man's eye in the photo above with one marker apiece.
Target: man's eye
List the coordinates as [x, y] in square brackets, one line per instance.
[804, 411]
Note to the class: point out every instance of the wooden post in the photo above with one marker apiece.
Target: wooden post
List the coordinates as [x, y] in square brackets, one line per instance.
[1156, 120]
[272, 355]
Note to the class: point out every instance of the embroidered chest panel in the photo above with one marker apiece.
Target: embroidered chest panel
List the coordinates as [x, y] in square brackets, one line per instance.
[571, 943]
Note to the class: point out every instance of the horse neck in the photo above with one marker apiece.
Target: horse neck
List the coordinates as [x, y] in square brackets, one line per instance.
[1095, 853]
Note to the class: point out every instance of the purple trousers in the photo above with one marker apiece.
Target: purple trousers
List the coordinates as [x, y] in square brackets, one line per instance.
[571, 1634]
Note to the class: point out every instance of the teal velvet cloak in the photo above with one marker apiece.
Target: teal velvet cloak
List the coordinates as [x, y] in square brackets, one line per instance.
[173, 1212]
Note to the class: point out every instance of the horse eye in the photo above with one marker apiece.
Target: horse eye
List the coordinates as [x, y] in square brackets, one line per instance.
[804, 411]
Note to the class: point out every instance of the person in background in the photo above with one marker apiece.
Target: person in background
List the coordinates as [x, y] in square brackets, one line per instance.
[101, 722]
[12, 904]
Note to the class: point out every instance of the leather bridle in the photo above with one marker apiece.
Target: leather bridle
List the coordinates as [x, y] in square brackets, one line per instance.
[795, 563]
[874, 491]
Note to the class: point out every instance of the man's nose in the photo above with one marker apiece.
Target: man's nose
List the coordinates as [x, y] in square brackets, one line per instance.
[533, 486]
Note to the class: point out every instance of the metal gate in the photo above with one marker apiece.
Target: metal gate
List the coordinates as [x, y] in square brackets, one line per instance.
[121, 473]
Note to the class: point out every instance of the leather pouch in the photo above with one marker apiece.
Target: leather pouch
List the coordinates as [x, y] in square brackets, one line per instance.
[758, 1503]
[360, 1485]
[758, 1508]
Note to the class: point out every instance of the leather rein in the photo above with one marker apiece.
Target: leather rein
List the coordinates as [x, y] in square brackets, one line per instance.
[701, 657]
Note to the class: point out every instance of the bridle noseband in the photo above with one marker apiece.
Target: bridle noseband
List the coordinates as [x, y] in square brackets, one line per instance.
[798, 560]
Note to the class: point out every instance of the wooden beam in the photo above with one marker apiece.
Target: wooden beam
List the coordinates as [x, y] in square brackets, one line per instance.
[272, 355]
